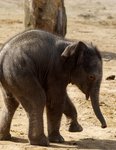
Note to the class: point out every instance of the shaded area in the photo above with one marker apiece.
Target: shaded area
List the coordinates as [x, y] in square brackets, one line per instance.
[90, 143]
[108, 55]
[87, 143]
[19, 140]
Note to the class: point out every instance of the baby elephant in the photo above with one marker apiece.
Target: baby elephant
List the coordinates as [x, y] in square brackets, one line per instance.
[35, 69]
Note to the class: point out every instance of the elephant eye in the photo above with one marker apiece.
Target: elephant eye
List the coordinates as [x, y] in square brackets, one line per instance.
[91, 77]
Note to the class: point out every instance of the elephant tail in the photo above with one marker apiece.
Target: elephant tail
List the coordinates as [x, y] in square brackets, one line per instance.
[2, 55]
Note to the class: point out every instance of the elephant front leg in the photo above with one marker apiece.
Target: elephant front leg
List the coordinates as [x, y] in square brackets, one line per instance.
[36, 133]
[54, 118]
[71, 113]
[55, 104]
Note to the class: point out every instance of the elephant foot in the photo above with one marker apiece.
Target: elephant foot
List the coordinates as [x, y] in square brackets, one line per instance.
[56, 138]
[5, 137]
[75, 127]
[41, 141]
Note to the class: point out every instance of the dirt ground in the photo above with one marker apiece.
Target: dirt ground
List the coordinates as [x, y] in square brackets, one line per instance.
[88, 20]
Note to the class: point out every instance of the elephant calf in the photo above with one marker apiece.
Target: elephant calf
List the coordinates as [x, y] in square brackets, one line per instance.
[35, 69]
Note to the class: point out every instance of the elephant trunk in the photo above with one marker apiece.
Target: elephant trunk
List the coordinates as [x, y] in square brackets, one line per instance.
[94, 95]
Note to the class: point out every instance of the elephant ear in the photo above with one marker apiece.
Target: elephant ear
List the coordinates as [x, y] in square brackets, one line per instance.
[76, 51]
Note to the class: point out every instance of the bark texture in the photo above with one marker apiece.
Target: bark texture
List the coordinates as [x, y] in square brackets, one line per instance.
[49, 15]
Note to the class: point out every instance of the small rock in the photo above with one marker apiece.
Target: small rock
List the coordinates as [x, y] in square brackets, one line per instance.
[112, 77]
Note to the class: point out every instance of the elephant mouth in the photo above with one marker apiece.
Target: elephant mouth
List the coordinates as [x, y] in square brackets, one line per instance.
[87, 96]
[86, 91]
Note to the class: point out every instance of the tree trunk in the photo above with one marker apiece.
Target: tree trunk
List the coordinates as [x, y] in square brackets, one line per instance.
[48, 15]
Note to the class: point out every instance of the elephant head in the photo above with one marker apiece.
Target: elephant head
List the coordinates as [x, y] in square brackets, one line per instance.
[85, 64]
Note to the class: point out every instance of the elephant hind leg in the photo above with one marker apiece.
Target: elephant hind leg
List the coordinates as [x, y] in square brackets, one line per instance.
[10, 106]
[33, 99]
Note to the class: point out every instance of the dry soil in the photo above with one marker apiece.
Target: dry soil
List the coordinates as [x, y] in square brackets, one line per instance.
[91, 21]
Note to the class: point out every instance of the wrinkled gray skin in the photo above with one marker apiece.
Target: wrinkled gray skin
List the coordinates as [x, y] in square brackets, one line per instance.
[35, 69]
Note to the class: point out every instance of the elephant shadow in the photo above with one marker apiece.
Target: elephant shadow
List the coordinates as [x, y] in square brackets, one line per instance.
[90, 143]
[86, 143]
[108, 55]
[18, 140]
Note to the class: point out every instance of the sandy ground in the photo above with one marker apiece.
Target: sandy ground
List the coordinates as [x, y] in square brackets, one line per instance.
[90, 21]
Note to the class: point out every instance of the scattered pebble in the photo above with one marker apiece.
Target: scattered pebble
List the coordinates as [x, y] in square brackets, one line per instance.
[111, 77]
